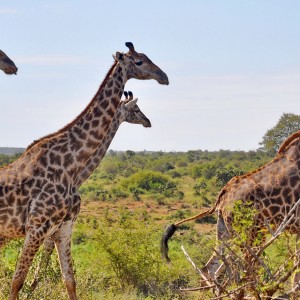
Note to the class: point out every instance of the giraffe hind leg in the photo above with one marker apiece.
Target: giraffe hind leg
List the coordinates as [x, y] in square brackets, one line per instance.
[62, 240]
[213, 268]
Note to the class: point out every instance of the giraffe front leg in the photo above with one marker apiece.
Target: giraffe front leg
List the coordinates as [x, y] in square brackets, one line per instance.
[34, 238]
[62, 240]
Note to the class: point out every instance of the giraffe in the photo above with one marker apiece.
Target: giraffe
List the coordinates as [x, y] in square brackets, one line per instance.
[7, 65]
[272, 190]
[129, 112]
[38, 198]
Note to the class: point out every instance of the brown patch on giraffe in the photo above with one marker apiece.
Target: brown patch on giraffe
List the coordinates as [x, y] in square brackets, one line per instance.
[76, 145]
[274, 209]
[110, 112]
[266, 213]
[55, 159]
[82, 156]
[115, 102]
[108, 93]
[97, 112]
[92, 143]
[44, 161]
[86, 126]
[110, 84]
[68, 160]
[95, 123]
[275, 192]
[293, 181]
[104, 104]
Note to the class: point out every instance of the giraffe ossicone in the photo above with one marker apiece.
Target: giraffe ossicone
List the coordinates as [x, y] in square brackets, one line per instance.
[38, 191]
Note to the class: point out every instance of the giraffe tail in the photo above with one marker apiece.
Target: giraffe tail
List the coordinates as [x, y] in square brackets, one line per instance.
[170, 230]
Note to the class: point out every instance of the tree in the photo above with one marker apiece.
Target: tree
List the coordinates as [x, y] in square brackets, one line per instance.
[225, 174]
[273, 138]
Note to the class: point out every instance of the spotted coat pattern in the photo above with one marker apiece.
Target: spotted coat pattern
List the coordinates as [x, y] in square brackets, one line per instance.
[38, 195]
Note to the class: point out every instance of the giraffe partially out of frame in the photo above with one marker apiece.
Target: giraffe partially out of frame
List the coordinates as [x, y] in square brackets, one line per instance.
[7, 65]
[272, 190]
[38, 195]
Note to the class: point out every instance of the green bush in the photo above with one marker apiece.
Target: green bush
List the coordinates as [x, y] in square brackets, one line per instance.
[150, 182]
[93, 190]
[132, 251]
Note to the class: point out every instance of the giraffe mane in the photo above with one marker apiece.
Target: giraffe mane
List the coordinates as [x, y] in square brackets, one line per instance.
[50, 135]
[285, 145]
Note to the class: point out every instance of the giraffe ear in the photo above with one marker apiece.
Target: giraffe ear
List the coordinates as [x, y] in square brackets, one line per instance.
[119, 56]
[130, 104]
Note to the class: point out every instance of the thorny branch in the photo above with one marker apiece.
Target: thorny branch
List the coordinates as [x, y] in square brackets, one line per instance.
[234, 263]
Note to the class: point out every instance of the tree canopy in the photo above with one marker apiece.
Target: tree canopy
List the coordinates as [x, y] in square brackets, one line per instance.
[273, 138]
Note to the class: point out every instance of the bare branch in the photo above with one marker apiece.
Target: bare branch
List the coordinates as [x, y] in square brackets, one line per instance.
[286, 221]
[191, 261]
[233, 291]
[200, 288]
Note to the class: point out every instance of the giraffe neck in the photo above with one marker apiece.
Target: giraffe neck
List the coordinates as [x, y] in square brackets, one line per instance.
[94, 161]
[70, 148]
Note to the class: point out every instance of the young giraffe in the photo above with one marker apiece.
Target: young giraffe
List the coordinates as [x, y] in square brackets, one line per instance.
[272, 190]
[7, 65]
[129, 112]
[37, 194]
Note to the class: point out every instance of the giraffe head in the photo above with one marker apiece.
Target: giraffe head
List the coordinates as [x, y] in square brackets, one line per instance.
[139, 66]
[131, 113]
[7, 65]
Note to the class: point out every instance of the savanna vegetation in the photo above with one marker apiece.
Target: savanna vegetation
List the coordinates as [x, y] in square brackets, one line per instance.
[126, 204]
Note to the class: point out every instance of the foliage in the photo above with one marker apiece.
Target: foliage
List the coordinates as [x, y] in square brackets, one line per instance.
[223, 175]
[94, 190]
[273, 138]
[116, 253]
[6, 159]
[133, 255]
[150, 181]
[250, 270]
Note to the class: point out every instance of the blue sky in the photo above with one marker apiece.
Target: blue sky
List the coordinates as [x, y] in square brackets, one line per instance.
[233, 66]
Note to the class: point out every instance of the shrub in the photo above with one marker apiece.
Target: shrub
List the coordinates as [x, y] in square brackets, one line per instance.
[133, 255]
[149, 181]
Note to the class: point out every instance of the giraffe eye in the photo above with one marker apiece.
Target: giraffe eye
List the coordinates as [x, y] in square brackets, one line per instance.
[139, 63]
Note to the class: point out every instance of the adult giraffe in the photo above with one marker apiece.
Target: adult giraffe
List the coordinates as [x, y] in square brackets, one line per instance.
[7, 65]
[37, 194]
[128, 111]
[272, 190]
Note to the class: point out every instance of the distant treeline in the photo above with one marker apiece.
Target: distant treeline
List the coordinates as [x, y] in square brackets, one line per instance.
[11, 150]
